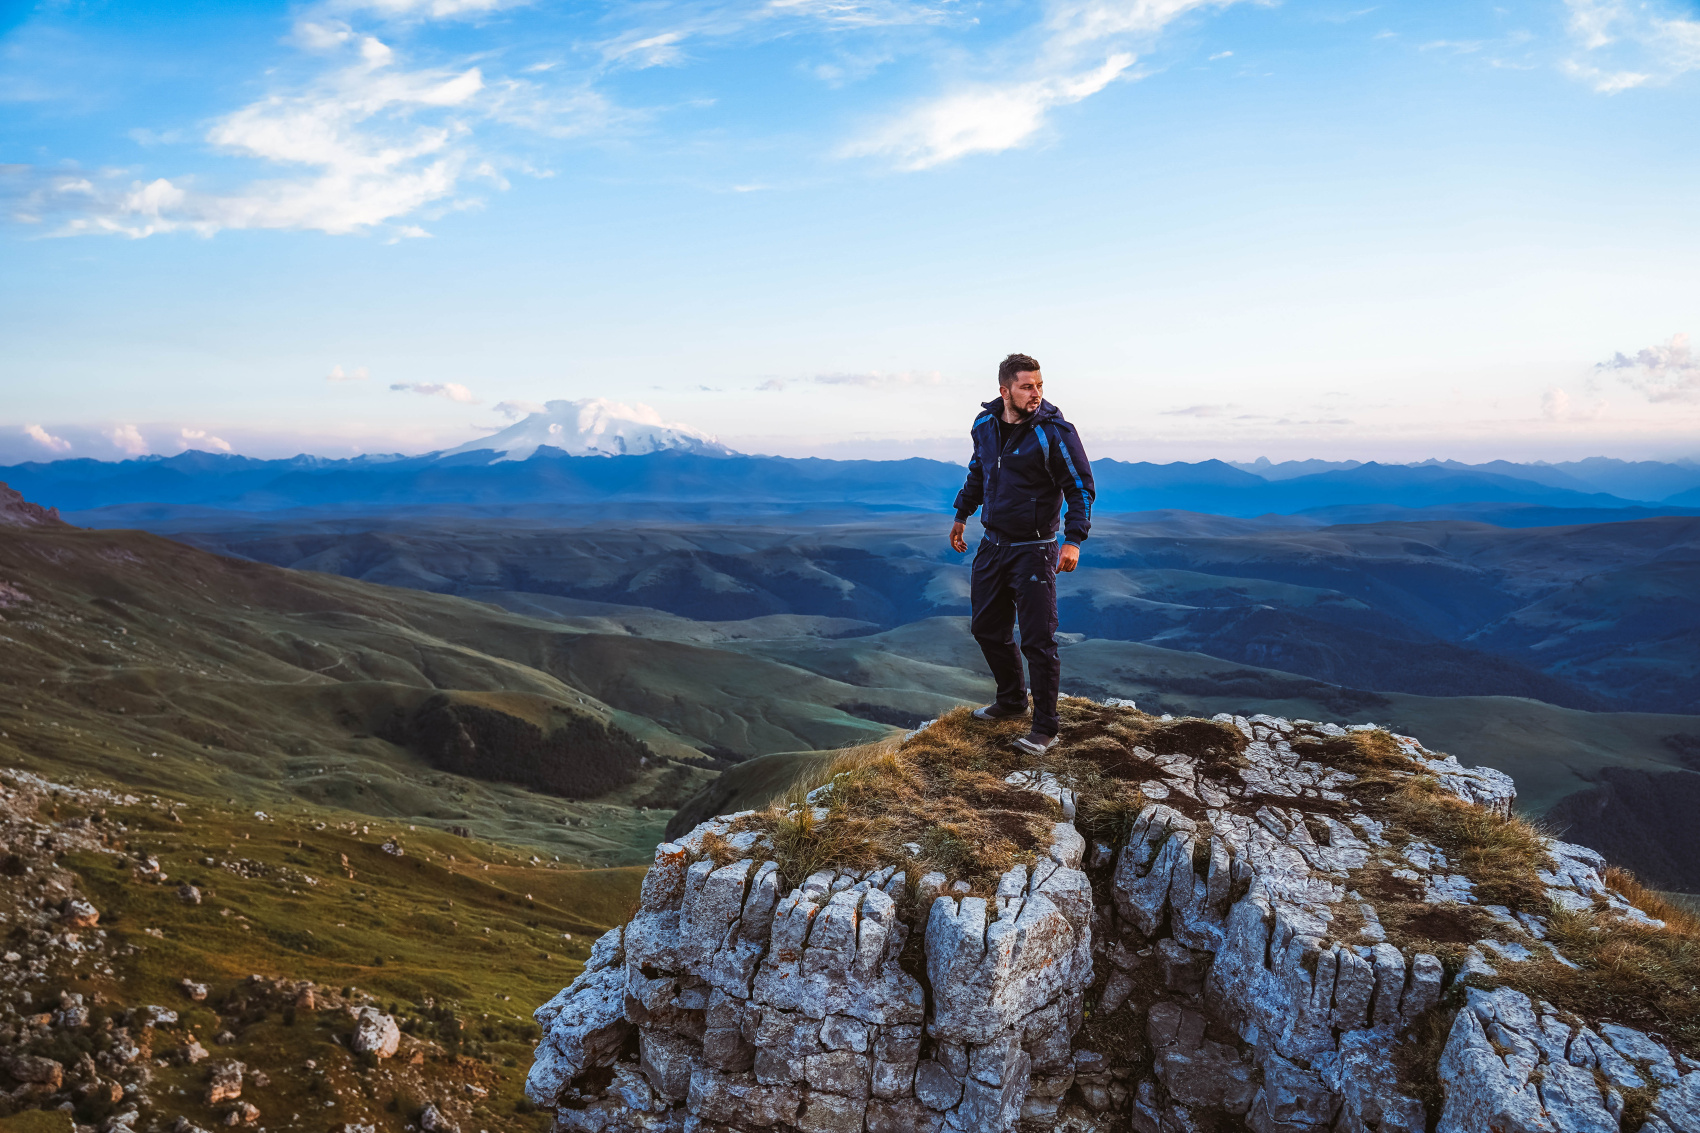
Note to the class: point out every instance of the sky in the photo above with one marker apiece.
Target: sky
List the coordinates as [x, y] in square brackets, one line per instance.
[1226, 228]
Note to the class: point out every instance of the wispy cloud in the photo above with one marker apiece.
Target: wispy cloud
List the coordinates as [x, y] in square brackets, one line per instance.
[983, 118]
[1198, 411]
[46, 439]
[338, 374]
[1667, 372]
[425, 9]
[514, 410]
[1624, 44]
[663, 37]
[1077, 50]
[870, 379]
[454, 391]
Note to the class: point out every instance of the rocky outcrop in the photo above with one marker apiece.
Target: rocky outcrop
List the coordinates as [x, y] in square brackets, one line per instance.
[15, 511]
[730, 1003]
[1232, 953]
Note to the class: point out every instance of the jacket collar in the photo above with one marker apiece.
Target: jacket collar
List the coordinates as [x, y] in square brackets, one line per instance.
[1045, 412]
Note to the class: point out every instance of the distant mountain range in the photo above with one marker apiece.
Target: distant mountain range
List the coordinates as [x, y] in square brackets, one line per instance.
[681, 473]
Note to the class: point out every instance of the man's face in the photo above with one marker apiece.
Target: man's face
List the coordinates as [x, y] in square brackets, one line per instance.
[1025, 390]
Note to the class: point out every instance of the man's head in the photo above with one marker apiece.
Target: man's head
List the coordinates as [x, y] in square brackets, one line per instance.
[1020, 383]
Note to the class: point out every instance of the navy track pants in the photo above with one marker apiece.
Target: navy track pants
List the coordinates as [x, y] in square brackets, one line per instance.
[1014, 582]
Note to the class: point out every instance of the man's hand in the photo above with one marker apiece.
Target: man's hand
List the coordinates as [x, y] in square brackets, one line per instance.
[1068, 559]
[957, 542]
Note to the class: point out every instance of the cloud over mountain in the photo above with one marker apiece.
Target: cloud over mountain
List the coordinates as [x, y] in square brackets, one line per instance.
[594, 427]
[1668, 371]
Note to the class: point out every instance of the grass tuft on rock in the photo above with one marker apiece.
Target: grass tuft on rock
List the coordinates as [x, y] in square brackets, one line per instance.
[942, 791]
[1629, 973]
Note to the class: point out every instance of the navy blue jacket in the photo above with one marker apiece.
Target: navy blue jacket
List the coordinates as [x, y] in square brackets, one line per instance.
[1022, 485]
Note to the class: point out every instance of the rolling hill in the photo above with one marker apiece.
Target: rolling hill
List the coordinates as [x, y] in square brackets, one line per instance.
[1585, 616]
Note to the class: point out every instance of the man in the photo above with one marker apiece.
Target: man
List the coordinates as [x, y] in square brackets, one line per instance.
[1026, 461]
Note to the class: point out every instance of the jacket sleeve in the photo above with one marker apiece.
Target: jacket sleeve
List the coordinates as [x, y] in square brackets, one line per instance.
[1073, 473]
[974, 487]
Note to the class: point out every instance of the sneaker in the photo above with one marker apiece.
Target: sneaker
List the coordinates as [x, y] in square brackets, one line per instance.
[998, 712]
[1036, 743]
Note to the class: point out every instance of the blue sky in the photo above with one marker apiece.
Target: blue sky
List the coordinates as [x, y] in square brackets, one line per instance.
[1233, 228]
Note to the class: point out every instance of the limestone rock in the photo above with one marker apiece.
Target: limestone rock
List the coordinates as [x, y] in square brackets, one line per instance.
[1238, 923]
[375, 1033]
[433, 1120]
[224, 1081]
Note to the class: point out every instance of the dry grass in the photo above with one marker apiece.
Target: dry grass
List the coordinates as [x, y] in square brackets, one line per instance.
[943, 790]
[1108, 815]
[1678, 918]
[1644, 977]
[1501, 856]
[1637, 975]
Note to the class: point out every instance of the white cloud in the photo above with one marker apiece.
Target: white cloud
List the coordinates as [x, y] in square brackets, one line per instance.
[372, 142]
[366, 142]
[1555, 404]
[426, 9]
[514, 410]
[127, 439]
[987, 118]
[46, 439]
[1081, 47]
[454, 391]
[337, 374]
[1667, 372]
[1630, 43]
[201, 439]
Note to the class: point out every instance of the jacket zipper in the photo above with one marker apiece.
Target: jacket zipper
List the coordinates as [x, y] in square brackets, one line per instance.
[1032, 422]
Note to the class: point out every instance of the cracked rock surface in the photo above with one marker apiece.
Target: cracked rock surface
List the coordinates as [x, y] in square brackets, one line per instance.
[1223, 965]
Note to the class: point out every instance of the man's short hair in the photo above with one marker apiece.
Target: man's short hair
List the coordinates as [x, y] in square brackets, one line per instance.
[1013, 365]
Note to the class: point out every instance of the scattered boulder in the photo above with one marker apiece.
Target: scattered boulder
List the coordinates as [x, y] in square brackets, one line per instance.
[80, 914]
[195, 991]
[375, 1033]
[33, 1070]
[433, 1120]
[242, 1113]
[189, 894]
[224, 1081]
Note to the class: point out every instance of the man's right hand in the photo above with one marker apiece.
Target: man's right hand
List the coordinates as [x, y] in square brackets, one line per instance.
[957, 542]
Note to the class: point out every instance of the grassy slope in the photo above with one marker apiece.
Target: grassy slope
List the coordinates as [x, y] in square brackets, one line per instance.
[169, 668]
[450, 926]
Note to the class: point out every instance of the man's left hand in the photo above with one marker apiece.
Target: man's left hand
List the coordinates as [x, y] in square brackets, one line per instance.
[1069, 559]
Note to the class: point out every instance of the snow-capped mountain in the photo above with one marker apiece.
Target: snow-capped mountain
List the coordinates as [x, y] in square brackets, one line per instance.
[594, 427]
